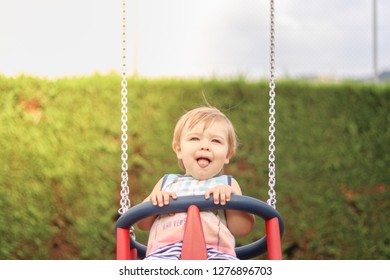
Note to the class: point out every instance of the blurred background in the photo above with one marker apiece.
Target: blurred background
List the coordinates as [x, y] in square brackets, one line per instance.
[60, 123]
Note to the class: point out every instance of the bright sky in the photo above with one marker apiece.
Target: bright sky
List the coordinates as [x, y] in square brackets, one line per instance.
[56, 38]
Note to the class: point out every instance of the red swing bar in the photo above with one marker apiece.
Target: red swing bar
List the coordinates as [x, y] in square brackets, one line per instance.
[274, 244]
[123, 251]
[194, 244]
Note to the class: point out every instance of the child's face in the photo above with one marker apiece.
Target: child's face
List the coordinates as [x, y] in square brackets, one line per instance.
[204, 152]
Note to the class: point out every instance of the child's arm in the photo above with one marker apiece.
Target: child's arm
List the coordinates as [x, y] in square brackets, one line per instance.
[239, 223]
[157, 197]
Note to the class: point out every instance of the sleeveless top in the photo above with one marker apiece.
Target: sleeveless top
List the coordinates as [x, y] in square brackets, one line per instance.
[169, 228]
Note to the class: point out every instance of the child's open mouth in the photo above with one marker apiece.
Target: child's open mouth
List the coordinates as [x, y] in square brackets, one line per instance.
[203, 162]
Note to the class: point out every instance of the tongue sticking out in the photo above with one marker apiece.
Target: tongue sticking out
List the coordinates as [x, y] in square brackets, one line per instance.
[203, 162]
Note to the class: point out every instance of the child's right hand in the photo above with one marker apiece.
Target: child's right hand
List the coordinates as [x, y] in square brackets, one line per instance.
[161, 198]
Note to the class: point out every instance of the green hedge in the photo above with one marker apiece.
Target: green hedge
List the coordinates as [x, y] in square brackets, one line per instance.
[60, 160]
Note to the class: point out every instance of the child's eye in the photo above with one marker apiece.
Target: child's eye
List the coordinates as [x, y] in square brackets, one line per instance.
[217, 141]
[194, 139]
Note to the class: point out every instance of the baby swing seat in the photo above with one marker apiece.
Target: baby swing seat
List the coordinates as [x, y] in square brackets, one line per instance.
[194, 247]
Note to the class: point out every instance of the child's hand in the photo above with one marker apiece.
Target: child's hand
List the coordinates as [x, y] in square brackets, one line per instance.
[161, 198]
[221, 194]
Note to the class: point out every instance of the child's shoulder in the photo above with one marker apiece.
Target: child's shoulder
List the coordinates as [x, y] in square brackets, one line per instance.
[169, 178]
[224, 179]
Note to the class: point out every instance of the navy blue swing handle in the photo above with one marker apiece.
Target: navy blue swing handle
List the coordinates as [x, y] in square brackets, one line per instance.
[181, 204]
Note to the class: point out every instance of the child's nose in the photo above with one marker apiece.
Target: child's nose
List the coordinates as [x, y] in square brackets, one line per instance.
[204, 145]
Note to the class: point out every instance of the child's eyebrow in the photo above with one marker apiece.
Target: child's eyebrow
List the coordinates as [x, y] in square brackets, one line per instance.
[191, 134]
[220, 136]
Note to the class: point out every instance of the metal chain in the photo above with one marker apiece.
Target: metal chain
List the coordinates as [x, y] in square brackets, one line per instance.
[272, 166]
[125, 191]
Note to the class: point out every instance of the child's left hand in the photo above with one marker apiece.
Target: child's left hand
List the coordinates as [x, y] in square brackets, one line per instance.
[221, 194]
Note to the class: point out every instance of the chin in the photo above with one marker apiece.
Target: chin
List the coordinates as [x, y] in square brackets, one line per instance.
[202, 176]
[199, 178]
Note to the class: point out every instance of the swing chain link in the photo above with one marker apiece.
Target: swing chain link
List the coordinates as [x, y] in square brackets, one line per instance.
[125, 191]
[272, 166]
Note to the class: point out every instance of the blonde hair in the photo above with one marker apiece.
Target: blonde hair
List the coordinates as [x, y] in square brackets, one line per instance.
[207, 116]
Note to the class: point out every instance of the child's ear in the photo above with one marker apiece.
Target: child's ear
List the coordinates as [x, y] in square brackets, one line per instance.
[228, 157]
[177, 149]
